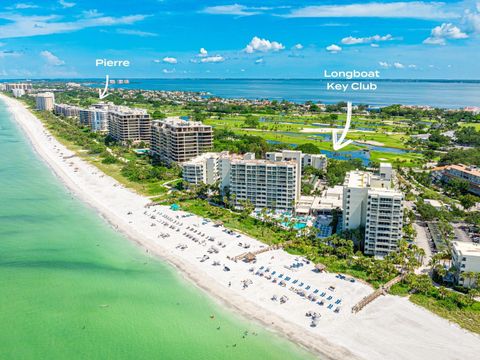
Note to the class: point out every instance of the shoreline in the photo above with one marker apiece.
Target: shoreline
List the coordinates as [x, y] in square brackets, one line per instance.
[112, 201]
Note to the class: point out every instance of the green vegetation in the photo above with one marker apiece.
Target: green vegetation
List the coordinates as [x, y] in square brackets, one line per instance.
[136, 172]
[459, 308]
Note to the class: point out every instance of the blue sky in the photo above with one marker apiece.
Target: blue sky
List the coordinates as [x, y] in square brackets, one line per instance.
[235, 39]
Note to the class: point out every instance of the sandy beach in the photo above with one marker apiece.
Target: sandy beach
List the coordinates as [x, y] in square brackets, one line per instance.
[389, 328]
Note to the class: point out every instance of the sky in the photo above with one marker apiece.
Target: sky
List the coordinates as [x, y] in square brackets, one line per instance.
[239, 38]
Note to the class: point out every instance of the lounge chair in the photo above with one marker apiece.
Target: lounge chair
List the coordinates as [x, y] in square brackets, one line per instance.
[316, 291]
[308, 287]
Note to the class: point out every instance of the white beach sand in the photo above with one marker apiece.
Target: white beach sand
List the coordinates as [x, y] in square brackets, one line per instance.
[389, 328]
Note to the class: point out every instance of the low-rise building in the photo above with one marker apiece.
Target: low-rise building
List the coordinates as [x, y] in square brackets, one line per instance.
[178, 140]
[45, 101]
[330, 201]
[466, 260]
[318, 161]
[471, 174]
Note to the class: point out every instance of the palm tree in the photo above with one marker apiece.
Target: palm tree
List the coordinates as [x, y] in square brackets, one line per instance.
[442, 290]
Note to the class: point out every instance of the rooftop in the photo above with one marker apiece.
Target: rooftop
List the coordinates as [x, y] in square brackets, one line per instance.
[177, 121]
[466, 248]
[473, 170]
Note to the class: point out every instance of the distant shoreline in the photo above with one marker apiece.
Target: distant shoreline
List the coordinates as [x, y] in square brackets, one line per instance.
[472, 81]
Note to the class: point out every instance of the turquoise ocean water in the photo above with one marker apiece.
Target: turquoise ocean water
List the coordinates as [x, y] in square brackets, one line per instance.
[73, 288]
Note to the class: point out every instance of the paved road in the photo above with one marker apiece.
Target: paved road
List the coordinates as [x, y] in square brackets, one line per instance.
[422, 240]
[460, 234]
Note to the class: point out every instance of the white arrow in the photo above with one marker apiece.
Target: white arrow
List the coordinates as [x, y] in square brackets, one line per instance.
[339, 143]
[103, 94]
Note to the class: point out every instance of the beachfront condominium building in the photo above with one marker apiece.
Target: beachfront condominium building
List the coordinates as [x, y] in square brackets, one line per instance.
[318, 161]
[371, 201]
[202, 169]
[18, 93]
[466, 260]
[178, 140]
[27, 87]
[129, 125]
[272, 184]
[66, 110]
[471, 174]
[45, 101]
[264, 183]
[96, 117]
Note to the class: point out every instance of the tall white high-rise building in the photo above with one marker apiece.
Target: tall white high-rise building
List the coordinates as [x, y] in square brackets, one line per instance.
[18, 92]
[371, 201]
[45, 101]
[96, 116]
[273, 184]
[265, 183]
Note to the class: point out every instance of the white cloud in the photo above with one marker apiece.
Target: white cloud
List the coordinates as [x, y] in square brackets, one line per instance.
[398, 65]
[402, 9]
[384, 64]
[441, 33]
[213, 59]
[51, 59]
[259, 61]
[298, 47]
[350, 40]
[374, 45]
[169, 60]
[66, 4]
[412, 66]
[91, 13]
[471, 19]
[235, 9]
[334, 48]
[136, 32]
[23, 6]
[263, 45]
[26, 26]
[203, 52]
[167, 71]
